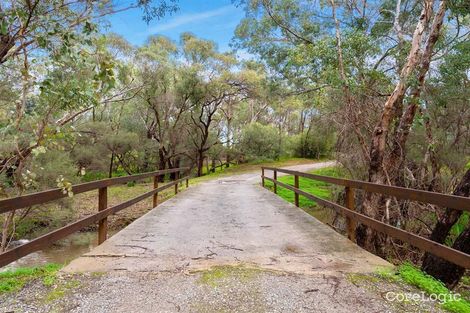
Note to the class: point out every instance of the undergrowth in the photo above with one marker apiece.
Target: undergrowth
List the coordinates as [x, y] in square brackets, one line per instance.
[315, 187]
[412, 275]
[16, 279]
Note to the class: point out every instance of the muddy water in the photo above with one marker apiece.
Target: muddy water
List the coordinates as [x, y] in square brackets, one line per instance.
[61, 252]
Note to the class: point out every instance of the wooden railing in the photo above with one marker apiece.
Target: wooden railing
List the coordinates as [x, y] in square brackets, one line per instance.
[352, 217]
[104, 211]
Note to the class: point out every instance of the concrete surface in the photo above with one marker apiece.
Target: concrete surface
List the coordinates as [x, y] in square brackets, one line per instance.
[228, 221]
[226, 245]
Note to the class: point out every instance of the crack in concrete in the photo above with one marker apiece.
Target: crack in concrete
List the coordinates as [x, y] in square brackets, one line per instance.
[133, 246]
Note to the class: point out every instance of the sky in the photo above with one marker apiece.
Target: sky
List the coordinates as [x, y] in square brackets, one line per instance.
[210, 19]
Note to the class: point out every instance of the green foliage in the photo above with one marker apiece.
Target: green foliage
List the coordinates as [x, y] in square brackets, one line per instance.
[412, 275]
[260, 142]
[94, 175]
[458, 228]
[315, 187]
[415, 277]
[16, 279]
[50, 165]
[314, 145]
[97, 175]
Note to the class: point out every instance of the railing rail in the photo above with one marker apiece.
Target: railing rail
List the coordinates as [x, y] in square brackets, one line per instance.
[43, 241]
[352, 217]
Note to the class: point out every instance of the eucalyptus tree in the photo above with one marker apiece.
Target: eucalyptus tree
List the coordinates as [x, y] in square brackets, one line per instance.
[214, 82]
[164, 107]
[375, 68]
[56, 70]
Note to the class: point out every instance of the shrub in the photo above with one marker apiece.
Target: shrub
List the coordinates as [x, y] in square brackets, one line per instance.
[314, 145]
[260, 142]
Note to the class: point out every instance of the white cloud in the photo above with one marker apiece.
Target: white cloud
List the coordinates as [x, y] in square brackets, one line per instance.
[190, 18]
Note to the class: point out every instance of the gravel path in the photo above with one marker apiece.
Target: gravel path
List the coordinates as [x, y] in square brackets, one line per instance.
[221, 289]
[225, 245]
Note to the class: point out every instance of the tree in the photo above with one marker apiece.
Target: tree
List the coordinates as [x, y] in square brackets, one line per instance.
[63, 70]
[214, 83]
[377, 72]
[260, 142]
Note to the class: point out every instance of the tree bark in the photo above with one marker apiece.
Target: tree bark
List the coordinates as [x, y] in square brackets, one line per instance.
[396, 161]
[161, 164]
[445, 271]
[111, 163]
[200, 163]
[366, 237]
[435, 266]
[379, 137]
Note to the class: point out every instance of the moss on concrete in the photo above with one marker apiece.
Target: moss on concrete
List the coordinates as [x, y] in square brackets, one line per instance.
[217, 274]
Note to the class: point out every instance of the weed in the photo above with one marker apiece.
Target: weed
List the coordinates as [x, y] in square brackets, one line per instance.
[214, 276]
[315, 187]
[412, 275]
[14, 280]
[61, 289]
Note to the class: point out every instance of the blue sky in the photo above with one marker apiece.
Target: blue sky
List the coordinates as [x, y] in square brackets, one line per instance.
[211, 19]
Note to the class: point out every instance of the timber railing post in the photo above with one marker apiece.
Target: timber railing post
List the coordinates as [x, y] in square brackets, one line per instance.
[275, 181]
[350, 224]
[296, 185]
[177, 175]
[262, 176]
[155, 186]
[103, 223]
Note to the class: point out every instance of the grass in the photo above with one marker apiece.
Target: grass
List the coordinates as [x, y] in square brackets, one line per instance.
[251, 167]
[61, 290]
[315, 187]
[16, 279]
[216, 275]
[412, 275]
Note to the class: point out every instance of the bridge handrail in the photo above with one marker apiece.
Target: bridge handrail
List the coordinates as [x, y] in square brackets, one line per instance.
[42, 197]
[448, 201]
[352, 217]
[100, 217]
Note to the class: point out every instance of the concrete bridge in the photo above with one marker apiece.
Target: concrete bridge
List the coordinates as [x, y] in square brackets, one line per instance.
[225, 245]
[228, 245]
[228, 221]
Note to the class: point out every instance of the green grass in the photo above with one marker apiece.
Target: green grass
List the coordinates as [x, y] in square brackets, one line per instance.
[315, 187]
[16, 279]
[251, 167]
[61, 290]
[412, 275]
[216, 275]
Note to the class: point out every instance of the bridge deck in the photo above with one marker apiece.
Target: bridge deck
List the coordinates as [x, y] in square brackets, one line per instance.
[179, 257]
[227, 221]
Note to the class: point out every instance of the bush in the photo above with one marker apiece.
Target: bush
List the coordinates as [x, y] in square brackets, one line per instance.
[50, 165]
[260, 142]
[314, 145]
